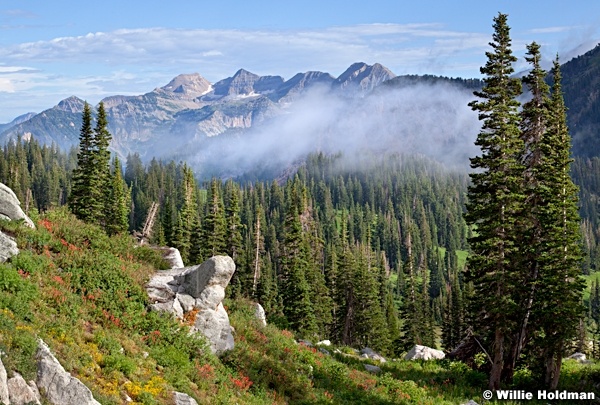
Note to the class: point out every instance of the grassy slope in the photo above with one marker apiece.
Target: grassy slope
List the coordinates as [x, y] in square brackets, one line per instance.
[82, 293]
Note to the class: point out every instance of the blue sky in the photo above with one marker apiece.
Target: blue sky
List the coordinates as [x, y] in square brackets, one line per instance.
[51, 50]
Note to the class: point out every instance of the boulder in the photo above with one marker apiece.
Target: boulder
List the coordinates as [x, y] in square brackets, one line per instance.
[324, 351]
[207, 281]
[172, 256]
[10, 207]
[305, 342]
[183, 399]
[325, 342]
[8, 247]
[20, 392]
[372, 369]
[198, 288]
[424, 353]
[259, 313]
[580, 357]
[214, 324]
[4, 399]
[59, 386]
[369, 353]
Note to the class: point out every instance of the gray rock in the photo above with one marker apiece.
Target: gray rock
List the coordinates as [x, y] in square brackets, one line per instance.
[259, 313]
[214, 274]
[4, 398]
[580, 357]
[8, 247]
[200, 287]
[214, 324]
[173, 257]
[372, 354]
[172, 307]
[305, 342]
[471, 402]
[187, 302]
[324, 351]
[372, 369]
[58, 386]
[20, 393]
[183, 399]
[10, 207]
[424, 353]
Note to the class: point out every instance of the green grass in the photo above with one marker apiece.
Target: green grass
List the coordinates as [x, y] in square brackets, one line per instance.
[82, 292]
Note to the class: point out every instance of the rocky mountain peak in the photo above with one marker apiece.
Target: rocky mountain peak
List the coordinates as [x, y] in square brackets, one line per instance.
[362, 77]
[191, 85]
[244, 82]
[71, 104]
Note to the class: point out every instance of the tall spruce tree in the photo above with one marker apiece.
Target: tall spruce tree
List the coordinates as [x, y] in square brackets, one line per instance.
[495, 197]
[560, 309]
[117, 204]
[101, 140]
[86, 200]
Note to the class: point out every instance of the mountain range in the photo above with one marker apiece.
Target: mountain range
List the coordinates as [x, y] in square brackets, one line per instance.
[189, 108]
[193, 119]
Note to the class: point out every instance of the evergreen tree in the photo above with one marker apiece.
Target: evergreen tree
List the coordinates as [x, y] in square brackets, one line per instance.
[214, 225]
[100, 142]
[295, 290]
[117, 204]
[494, 199]
[86, 200]
[560, 286]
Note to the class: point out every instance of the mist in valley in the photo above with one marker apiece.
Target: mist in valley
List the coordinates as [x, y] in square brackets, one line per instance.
[432, 120]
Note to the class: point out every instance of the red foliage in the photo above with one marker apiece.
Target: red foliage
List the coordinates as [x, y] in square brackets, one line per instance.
[243, 383]
[46, 224]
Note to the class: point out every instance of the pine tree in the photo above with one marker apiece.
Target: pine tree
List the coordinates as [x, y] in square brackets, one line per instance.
[100, 143]
[495, 197]
[86, 194]
[560, 285]
[214, 225]
[295, 290]
[117, 204]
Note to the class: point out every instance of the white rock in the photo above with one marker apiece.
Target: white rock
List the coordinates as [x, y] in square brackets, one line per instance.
[324, 343]
[259, 313]
[424, 353]
[8, 247]
[580, 357]
[4, 398]
[10, 207]
[59, 386]
[187, 302]
[183, 399]
[19, 392]
[173, 257]
[215, 326]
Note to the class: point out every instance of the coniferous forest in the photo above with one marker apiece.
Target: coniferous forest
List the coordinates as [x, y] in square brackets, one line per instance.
[384, 251]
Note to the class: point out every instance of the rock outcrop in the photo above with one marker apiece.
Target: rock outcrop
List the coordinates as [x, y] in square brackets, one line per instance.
[259, 313]
[21, 393]
[8, 247]
[10, 207]
[172, 256]
[197, 289]
[4, 398]
[424, 353]
[369, 353]
[183, 399]
[59, 387]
